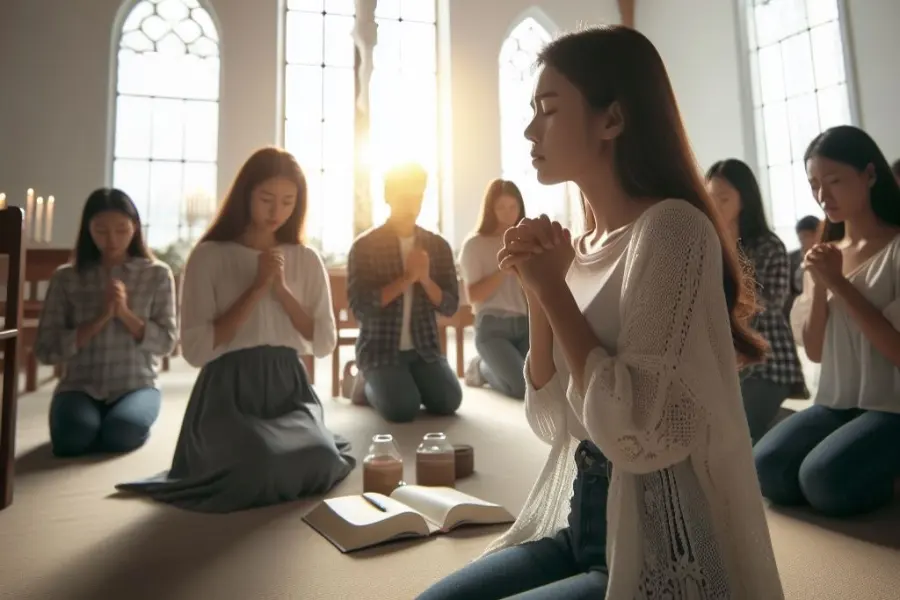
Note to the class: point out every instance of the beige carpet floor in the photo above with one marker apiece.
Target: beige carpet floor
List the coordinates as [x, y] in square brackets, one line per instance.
[67, 538]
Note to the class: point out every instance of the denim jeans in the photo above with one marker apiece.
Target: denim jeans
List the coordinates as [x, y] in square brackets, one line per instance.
[762, 399]
[80, 424]
[398, 391]
[570, 565]
[502, 343]
[840, 462]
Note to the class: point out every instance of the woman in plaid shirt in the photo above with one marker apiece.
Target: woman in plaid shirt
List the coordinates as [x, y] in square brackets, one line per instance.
[764, 386]
[107, 319]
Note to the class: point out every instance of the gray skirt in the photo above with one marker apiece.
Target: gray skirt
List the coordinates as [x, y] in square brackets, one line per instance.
[253, 435]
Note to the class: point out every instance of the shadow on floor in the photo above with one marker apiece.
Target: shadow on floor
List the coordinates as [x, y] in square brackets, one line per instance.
[881, 527]
[159, 557]
[41, 458]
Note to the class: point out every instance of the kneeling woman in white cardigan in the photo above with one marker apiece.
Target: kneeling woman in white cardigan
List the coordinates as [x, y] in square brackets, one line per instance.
[633, 339]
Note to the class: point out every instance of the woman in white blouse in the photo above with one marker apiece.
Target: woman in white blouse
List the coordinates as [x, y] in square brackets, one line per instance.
[501, 313]
[841, 456]
[632, 377]
[254, 300]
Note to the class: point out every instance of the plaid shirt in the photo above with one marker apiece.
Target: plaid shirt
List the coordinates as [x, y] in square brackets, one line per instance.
[772, 269]
[112, 363]
[374, 262]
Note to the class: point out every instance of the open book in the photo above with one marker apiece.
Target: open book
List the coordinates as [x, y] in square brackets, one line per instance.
[411, 511]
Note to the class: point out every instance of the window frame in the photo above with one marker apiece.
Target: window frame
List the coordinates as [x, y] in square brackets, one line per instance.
[341, 254]
[754, 131]
[117, 33]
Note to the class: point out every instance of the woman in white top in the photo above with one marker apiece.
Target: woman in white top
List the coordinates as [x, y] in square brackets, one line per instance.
[254, 300]
[636, 335]
[841, 455]
[501, 313]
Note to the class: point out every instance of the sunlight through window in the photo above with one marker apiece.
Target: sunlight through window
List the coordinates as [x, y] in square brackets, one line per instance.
[799, 89]
[404, 121]
[167, 115]
[319, 109]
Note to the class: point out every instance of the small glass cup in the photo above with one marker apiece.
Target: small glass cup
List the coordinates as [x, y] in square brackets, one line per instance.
[436, 461]
[382, 466]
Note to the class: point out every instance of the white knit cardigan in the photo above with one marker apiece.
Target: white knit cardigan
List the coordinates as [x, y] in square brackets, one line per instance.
[668, 392]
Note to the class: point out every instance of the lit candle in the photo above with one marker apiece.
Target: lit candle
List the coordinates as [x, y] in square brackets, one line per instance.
[48, 230]
[29, 212]
[38, 218]
[2, 201]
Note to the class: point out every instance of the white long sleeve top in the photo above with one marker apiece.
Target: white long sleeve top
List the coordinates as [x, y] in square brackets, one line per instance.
[854, 374]
[662, 401]
[218, 273]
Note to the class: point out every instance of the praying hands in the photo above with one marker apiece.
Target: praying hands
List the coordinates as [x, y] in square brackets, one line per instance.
[540, 252]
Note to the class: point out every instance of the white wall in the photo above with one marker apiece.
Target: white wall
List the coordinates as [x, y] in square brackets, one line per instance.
[698, 40]
[55, 64]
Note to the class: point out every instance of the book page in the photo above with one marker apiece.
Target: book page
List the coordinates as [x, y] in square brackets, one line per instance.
[436, 503]
[351, 523]
[356, 511]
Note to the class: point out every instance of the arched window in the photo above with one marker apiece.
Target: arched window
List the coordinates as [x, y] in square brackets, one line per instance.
[167, 116]
[403, 97]
[517, 61]
[799, 86]
[319, 113]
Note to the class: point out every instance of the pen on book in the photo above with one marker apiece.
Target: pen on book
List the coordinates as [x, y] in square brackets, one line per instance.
[374, 503]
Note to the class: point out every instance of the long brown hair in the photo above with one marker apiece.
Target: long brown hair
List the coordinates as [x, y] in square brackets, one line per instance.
[612, 63]
[496, 189]
[234, 213]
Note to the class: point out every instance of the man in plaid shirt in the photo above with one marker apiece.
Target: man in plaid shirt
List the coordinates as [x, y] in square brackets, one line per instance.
[399, 277]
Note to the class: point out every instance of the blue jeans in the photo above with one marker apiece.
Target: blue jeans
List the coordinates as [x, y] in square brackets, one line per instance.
[502, 343]
[762, 399]
[570, 565]
[80, 424]
[398, 391]
[840, 462]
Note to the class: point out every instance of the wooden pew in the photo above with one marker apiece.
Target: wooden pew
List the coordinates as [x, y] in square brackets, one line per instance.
[12, 247]
[459, 321]
[40, 264]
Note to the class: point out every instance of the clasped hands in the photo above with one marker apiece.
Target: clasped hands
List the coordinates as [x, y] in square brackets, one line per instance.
[116, 298]
[270, 269]
[418, 266]
[540, 252]
[825, 263]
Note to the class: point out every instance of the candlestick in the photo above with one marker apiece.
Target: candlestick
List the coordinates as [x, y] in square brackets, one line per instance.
[38, 218]
[29, 212]
[48, 231]
[2, 201]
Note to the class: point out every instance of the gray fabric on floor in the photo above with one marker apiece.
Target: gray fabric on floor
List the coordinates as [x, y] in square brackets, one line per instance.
[253, 435]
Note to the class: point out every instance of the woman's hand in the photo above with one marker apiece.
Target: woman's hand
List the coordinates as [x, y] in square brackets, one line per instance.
[539, 251]
[270, 267]
[826, 265]
[116, 298]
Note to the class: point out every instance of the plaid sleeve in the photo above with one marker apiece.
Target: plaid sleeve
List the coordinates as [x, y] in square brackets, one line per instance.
[444, 270]
[363, 296]
[774, 277]
[160, 329]
[56, 334]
